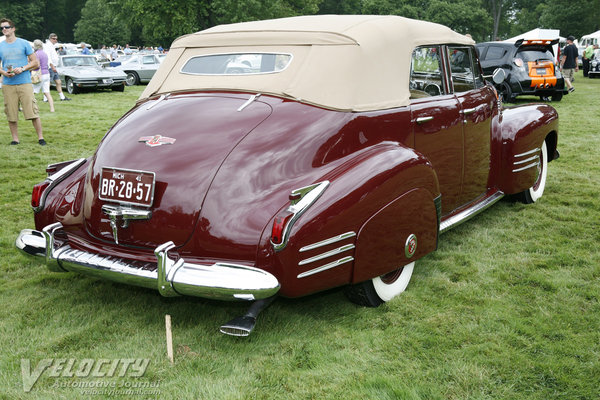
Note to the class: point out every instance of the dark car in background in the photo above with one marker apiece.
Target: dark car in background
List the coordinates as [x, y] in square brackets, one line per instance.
[529, 65]
[594, 71]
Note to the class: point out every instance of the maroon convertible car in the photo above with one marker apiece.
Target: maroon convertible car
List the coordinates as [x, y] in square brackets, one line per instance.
[290, 156]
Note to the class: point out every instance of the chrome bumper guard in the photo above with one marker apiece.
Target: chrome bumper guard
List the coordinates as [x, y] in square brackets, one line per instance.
[221, 281]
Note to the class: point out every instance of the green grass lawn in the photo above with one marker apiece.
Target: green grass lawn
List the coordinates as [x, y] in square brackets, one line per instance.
[507, 308]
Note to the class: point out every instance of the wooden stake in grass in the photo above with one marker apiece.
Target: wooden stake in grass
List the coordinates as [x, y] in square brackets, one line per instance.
[169, 338]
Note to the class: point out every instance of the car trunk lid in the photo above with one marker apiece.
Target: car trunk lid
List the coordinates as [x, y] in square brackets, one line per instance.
[183, 140]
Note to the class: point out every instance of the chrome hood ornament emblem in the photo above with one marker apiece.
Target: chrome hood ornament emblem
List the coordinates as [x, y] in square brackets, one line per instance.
[156, 140]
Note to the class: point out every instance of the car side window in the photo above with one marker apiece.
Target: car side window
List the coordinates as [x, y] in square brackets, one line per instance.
[495, 53]
[464, 69]
[426, 72]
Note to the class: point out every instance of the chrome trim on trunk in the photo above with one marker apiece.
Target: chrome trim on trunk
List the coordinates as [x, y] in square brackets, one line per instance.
[222, 281]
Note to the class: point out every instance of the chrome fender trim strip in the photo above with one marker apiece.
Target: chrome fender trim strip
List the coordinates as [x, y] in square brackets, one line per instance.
[326, 267]
[326, 242]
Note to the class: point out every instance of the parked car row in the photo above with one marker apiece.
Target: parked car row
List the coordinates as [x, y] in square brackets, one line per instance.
[80, 72]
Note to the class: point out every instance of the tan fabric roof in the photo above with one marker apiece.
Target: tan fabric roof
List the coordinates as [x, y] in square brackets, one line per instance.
[343, 62]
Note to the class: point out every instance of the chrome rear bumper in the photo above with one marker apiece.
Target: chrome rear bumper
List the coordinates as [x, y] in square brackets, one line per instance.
[222, 281]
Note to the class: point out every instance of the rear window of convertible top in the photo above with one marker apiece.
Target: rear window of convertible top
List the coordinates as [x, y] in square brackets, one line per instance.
[237, 64]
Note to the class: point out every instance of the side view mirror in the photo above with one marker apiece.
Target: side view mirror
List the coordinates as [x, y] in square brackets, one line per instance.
[498, 76]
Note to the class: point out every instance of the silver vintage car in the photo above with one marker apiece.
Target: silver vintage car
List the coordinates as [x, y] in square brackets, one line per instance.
[139, 68]
[79, 72]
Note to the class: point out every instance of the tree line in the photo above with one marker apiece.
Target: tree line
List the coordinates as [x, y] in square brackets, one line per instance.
[159, 22]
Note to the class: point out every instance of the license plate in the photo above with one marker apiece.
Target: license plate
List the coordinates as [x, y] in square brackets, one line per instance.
[541, 71]
[107, 81]
[127, 186]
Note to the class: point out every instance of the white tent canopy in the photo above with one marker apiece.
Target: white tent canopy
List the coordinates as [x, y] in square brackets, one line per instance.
[592, 38]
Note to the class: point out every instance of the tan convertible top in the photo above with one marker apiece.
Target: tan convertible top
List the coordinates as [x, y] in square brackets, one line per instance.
[341, 62]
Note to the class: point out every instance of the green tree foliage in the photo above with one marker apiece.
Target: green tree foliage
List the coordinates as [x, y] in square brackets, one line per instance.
[577, 18]
[227, 11]
[98, 25]
[27, 15]
[159, 22]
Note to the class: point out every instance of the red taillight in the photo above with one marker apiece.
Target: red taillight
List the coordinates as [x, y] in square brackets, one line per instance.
[518, 62]
[281, 221]
[38, 191]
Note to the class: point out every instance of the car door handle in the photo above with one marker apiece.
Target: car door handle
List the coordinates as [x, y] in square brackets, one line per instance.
[422, 120]
[475, 109]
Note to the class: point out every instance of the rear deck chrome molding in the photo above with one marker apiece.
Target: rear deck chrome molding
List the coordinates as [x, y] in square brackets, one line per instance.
[329, 241]
[325, 267]
[222, 281]
[469, 213]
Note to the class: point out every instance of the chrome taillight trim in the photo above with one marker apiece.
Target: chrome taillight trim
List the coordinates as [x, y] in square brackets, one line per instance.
[56, 178]
[329, 241]
[325, 267]
[303, 198]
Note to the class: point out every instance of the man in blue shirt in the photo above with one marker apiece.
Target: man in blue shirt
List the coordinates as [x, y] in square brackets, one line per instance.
[18, 59]
[84, 50]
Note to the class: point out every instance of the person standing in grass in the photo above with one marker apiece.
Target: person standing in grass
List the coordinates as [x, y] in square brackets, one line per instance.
[44, 84]
[568, 62]
[588, 54]
[18, 59]
[53, 63]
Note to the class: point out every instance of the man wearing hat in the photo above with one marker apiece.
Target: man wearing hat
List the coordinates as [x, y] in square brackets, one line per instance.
[568, 62]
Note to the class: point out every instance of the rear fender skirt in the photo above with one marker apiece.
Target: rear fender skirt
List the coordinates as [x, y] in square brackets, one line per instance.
[524, 129]
[387, 240]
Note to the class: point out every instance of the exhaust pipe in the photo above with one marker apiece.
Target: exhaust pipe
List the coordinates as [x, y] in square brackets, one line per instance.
[243, 325]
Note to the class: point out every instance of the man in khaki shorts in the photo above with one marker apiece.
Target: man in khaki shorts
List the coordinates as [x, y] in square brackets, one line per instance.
[18, 59]
[568, 62]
